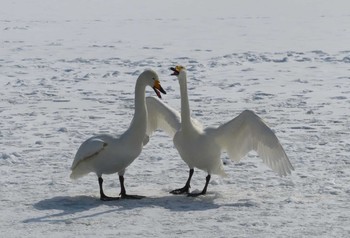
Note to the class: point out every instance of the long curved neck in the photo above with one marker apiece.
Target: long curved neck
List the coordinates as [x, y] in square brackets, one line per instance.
[185, 107]
[137, 128]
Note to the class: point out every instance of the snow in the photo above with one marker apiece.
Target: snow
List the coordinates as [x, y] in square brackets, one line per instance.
[68, 70]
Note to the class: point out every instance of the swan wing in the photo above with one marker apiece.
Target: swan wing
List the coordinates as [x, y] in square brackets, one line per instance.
[161, 116]
[89, 148]
[248, 132]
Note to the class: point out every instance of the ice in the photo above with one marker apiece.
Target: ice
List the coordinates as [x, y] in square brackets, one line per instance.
[68, 71]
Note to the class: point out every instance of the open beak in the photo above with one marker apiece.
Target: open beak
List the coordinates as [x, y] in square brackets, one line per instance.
[158, 89]
[175, 72]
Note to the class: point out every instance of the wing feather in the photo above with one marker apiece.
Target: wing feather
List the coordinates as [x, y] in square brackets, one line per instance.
[162, 116]
[248, 132]
[88, 149]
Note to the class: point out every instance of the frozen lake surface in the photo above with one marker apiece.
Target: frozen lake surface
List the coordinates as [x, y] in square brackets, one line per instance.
[68, 71]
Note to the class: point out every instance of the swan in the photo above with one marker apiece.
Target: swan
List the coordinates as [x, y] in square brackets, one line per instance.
[108, 154]
[201, 148]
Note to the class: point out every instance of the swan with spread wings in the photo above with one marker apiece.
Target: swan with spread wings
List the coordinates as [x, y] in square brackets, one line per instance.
[201, 148]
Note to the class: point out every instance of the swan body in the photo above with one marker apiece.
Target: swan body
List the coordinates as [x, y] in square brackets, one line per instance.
[98, 154]
[108, 154]
[201, 148]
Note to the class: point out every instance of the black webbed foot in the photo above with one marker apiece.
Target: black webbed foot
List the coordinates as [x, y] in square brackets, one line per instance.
[204, 191]
[183, 190]
[195, 194]
[107, 198]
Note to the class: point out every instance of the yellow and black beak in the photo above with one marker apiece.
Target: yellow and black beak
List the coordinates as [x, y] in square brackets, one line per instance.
[175, 70]
[158, 88]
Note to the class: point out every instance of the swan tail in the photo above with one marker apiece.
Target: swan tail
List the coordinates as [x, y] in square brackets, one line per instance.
[78, 172]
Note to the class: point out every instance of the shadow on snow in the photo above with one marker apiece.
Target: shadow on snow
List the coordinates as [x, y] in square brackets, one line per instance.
[77, 207]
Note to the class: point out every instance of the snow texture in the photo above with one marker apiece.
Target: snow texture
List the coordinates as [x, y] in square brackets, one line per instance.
[68, 71]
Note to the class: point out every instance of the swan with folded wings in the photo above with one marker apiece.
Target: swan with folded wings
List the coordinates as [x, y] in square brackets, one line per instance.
[201, 148]
[108, 154]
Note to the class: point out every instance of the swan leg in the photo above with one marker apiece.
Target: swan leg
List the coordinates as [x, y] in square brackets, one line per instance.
[103, 197]
[204, 191]
[123, 194]
[186, 188]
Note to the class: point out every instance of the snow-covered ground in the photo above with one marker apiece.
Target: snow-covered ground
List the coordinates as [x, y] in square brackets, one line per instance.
[68, 70]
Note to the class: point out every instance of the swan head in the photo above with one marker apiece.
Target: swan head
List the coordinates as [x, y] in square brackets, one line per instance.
[178, 70]
[152, 80]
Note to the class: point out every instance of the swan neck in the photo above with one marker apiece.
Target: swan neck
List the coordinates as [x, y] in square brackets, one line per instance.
[137, 128]
[185, 106]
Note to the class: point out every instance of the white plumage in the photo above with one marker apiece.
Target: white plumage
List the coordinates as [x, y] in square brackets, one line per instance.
[201, 148]
[107, 154]
[162, 116]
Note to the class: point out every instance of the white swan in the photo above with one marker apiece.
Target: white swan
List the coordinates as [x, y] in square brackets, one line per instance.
[202, 148]
[107, 154]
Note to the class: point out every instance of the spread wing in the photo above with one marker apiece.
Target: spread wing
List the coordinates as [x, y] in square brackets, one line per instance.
[162, 116]
[248, 132]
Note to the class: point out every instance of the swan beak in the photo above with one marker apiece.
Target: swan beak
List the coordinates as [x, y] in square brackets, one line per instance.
[158, 88]
[175, 71]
